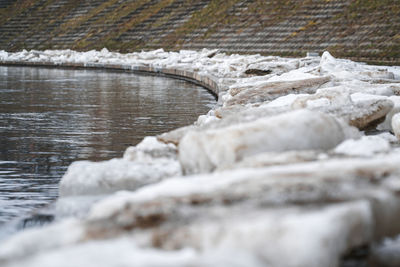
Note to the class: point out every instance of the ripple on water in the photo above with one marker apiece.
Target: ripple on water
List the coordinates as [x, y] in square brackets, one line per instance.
[51, 117]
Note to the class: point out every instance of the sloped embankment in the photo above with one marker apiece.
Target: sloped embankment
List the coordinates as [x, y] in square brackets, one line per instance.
[364, 30]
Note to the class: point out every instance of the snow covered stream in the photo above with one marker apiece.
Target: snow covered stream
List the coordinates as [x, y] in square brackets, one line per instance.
[297, 165]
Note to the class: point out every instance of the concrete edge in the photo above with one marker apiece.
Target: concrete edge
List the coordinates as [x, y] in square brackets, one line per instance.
[209, 82]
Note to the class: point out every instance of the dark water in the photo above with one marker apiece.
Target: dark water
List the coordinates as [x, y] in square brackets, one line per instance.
[51, 117]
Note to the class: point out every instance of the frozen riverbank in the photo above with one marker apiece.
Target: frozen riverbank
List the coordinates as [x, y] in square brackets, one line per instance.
[279, 173]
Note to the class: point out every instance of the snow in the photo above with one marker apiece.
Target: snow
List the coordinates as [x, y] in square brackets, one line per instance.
[293, 75]
[149, 162]
[347, 70]
[251, 181]
[396, 125]
[388, 136]
[36, 240]
[150, 149]
[284, 101]
[85, 177]
[287, 175]
[204, 151]
[357, 109]
[3, 54]
[365, 146]
[387, 124]
[219, 242]
[120, 252]
[395, 70]
[318, 103]
[272, 228]
[360, 97]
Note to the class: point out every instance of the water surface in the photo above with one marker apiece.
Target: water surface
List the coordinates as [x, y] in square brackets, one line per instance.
[51, 117]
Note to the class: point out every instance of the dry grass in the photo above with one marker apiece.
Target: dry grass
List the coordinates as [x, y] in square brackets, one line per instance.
[110, 29]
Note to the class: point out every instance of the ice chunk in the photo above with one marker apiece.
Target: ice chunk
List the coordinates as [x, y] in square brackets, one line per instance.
[293, 75]
[284, 101]
[297, 130]
[338, 68]
[93, 178]
[273, 90]
[210, 213]
[302, 239]
[388, 136]
[205, 119]
[75, 206]
[148, 162]
[33, 241]
[396, 125]
[360, 110]
[150, 149]
[274, 159]
[386, 125]
[118, 252]
[175, 136]
[3, 55]
[264, 244]
[286, 181]
[365, 146]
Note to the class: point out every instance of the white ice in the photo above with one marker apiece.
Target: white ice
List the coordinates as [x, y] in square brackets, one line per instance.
[288, 179]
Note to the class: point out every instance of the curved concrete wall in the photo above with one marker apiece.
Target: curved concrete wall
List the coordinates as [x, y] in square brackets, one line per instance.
[207, 81]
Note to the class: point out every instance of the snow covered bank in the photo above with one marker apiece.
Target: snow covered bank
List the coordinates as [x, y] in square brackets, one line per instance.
[293, 169]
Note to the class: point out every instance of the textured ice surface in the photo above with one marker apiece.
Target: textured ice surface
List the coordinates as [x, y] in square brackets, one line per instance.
[386, 125]
[365, 146]
[149, 162]
[396, 125]
[192, 212]
[203, 151]
[287, 180]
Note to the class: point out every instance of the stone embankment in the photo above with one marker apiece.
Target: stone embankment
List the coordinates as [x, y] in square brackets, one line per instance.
[295, 166]
[366, 30]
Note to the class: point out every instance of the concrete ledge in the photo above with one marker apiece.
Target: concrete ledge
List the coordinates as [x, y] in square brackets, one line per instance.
[207, 81]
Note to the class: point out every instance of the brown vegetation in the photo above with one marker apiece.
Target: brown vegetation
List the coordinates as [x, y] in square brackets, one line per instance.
[361, 29]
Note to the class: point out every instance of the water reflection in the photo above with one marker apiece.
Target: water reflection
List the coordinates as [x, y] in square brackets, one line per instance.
[51, 117]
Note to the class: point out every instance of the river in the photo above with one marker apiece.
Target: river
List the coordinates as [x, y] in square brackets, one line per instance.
[51, 117]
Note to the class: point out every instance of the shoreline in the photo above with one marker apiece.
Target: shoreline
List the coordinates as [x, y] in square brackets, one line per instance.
[206, 81]
[284, 147]
[37, 214]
